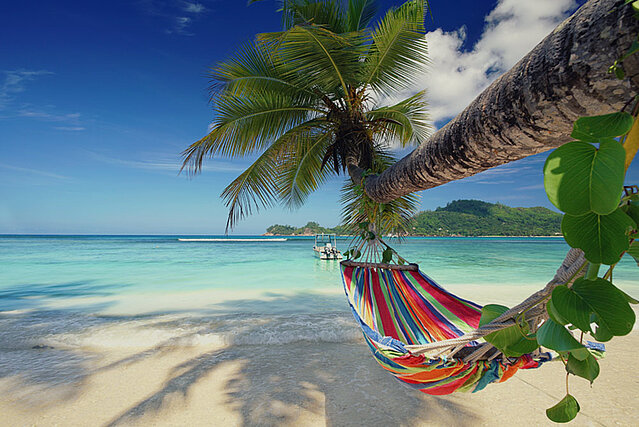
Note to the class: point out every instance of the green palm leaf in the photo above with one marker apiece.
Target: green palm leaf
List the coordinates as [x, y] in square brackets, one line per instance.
[260, 184]
[253, 70]
[245, 125]
[360, 13]
[326, 13]
[398, 54]
[320, 58]
[389, 218]
[254, 188]
[406, 122]
[302, 171]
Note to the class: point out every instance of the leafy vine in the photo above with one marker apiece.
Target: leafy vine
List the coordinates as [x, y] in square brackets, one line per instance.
[585, 180]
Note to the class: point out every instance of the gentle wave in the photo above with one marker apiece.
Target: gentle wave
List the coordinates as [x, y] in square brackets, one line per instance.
[21, 331]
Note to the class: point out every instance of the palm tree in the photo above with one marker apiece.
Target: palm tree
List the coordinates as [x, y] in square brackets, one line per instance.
[308, 103]
[531, 108]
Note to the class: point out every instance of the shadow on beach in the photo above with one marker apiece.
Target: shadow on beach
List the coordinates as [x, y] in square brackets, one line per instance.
[276, 383]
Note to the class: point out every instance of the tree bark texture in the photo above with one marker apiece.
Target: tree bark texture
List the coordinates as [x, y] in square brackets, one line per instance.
[529, 109]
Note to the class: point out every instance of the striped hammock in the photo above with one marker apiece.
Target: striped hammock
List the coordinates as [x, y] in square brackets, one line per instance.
[396, 308]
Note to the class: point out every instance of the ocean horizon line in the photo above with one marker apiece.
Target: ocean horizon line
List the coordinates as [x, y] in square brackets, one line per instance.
[231, 236]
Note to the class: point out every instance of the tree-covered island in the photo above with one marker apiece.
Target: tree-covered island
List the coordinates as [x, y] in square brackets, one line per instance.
[459, 218]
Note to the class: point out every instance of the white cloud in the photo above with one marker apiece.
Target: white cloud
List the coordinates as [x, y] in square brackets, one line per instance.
[33, 171]
[49, 117]
[531, 187]
[165, 163]
[178, 15]
[512, 29]
[14, 82]
[180, 24]
[194, 7]
[70, 128]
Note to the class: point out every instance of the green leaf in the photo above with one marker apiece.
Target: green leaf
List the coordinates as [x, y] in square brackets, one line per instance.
[601, 333]
[580, 353]
[571, 307]
[407, 122]
[632, 210]
[588, 368]
[601, 128]
[634, 47]
[387, 255]
[398, 54]
[356, 254]
[564, 411]
[595, 301]
[554, 336]
[511, 340]
[580, 178]
[606, 302]
[603, 238]
[554, 314]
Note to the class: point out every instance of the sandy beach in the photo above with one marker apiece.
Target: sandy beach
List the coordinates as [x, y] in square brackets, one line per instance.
[154, 332]
[333, 384]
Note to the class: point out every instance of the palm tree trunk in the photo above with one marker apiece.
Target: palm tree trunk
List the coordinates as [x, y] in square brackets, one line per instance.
[531, 108]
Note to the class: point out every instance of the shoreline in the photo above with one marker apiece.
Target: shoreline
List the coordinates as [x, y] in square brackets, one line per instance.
[395, 237]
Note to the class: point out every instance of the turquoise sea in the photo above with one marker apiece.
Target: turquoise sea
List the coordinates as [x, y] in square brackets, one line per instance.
[91, 292]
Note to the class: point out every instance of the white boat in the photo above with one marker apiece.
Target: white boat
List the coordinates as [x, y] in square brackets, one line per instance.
[325, 247]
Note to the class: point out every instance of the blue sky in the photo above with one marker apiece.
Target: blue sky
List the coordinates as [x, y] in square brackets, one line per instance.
[98, 99]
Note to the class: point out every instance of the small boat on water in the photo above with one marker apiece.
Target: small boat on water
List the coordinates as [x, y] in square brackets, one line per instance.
[325, 246]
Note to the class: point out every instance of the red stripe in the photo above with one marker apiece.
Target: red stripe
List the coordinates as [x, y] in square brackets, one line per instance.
[467, 314]
[348, 277]
[450, 387]
[382, 307]
[430, 323]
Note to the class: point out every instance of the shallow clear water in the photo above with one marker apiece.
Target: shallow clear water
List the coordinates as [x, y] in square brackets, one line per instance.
[111, 291]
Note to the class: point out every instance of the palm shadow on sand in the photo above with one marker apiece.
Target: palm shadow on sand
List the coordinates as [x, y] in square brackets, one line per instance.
[333, 378]
[277, 382]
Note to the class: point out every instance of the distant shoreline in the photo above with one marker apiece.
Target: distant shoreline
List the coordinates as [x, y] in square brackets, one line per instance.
[412, 235]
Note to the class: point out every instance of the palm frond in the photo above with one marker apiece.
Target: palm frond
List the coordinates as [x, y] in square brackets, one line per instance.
[302, 171]
[254, 188]
[259, 185]
[319, 58]
[247, 124]
[360, 13]
[406, 122]
[393, 217]
[389, 218]
[252, 70]
[324, 13]
[398, 54]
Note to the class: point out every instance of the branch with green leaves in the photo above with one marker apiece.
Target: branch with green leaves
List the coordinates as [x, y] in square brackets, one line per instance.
[585, 180]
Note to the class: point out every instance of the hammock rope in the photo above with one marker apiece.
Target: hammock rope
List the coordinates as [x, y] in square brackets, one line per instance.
[429, 338]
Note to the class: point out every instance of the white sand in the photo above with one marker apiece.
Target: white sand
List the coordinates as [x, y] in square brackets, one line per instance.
[297, 384]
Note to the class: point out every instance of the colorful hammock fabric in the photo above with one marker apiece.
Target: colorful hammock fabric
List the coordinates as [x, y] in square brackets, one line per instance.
[396, 307]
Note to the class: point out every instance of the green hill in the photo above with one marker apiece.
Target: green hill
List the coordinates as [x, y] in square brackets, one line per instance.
[311, 228]
[477, 218]
[460, 218]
